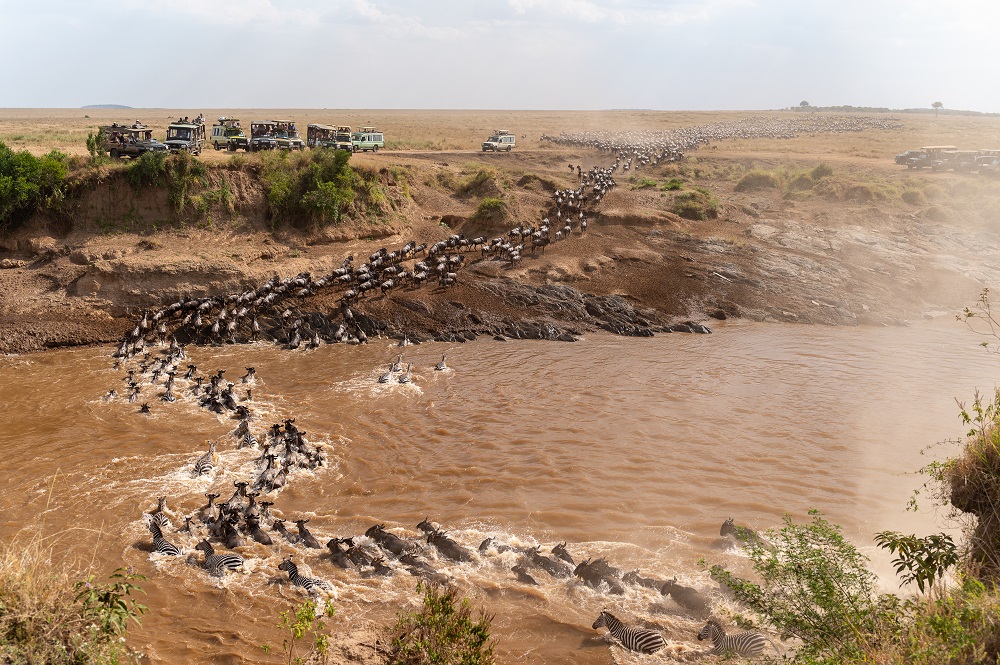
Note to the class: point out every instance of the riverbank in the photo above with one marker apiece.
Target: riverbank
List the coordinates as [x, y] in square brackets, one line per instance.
[832, 235]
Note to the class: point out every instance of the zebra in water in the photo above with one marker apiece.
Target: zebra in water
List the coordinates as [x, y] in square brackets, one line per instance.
[741, 644]
[206, 462]
[307, 583]
[160, 544]
[633, 639]
[218, 564]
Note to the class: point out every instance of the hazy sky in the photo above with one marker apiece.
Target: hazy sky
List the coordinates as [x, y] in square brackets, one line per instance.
[533, 54]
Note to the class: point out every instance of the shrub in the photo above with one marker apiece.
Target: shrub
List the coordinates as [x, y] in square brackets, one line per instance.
[441, 632]
[483, 182]
[27, 182]
[644, 183]
[147, 171]
[754, 180]
[695, 204]
[97, 146]
[821, 171]
[800, 183]
[318, 186]
[816, 586]
[302, 622]
[490, 211]
[672, 185]
[46, 618]
[913, 197]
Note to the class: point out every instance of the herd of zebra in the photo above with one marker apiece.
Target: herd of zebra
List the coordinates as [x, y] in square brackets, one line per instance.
[272, 311]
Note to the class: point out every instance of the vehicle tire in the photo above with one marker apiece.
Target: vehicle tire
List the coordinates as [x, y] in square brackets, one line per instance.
[115, 154]
[216, 145]
[354, 148]
[374, 148]
[508, 148]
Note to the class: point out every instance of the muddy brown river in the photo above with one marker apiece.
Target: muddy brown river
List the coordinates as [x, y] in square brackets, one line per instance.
[631, 449]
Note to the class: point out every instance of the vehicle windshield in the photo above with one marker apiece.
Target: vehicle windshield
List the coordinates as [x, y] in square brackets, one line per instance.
[237, 133]
[182, 133]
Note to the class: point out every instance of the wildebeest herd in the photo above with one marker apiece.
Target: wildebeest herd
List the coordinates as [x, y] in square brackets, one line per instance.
[152, 352]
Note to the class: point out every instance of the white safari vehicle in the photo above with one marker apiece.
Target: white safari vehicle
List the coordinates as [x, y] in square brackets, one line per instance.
[501, 140]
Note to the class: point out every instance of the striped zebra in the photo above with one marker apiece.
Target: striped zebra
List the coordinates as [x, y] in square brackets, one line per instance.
[633, 639]
[160, 544]
[740, 644]
[307, 583]
[218, 564]
[248, 439]
[206, 462]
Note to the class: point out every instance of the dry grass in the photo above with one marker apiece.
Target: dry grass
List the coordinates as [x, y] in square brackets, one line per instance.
[41, 620]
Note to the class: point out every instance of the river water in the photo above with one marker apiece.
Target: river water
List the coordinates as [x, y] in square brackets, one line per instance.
[632, 449]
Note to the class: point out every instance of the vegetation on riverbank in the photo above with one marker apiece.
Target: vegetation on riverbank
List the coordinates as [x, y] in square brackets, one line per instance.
[48, 615]
[442, 632]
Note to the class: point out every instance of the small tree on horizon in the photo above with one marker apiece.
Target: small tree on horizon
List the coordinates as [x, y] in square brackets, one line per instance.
[804, 103]
[937, 106]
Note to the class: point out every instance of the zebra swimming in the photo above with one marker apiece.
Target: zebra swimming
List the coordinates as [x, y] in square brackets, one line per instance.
[218, 564]
[741, 644]
[160, 544]
[206, 462]
[633, 639]
[307, 583]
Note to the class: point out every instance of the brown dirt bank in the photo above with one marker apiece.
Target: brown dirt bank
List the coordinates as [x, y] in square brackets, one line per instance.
[867, 244]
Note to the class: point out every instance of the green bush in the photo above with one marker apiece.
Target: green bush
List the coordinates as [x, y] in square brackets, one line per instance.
[816, 586]
[913, 197]
[695, 204]
[298, 624]
[149, 170]
[490, 211]
[672, 185]
[821, 171]
[754, 180]
[441, 632]
[27, 182]
[318, 186]
[47, 618]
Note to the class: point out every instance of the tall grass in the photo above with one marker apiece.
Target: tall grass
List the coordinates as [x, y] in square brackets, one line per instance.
[53, 612]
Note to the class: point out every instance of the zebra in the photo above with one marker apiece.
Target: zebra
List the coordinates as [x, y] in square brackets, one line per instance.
[307, 583]
[633, 639]
[218, 564]
[741, 644]
[160, 544]
[206, 462]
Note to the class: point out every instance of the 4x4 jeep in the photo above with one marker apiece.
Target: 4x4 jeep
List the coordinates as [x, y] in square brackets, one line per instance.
[186, 136]
[228, 133]
[133, 141]
[262, 135]
[287, 136]
[501, 140]
[321, 136]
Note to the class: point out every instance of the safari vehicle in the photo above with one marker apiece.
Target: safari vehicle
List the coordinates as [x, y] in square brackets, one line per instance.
[988, 163]
[228, 133]
[321, 136]
[501, 140]
[961, 160]
[287, 136]
[186, 136]
[932, 155]
[368, 138]
[344, 138]
[906, 155]
[262, 135]
[130, 141]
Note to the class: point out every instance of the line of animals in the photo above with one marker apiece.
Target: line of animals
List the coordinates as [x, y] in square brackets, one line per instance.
[268, 311]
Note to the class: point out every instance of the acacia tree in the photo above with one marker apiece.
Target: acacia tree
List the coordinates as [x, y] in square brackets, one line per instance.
[937, 106]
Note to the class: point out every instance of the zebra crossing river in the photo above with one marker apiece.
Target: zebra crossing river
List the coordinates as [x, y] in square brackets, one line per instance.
[631, 449]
